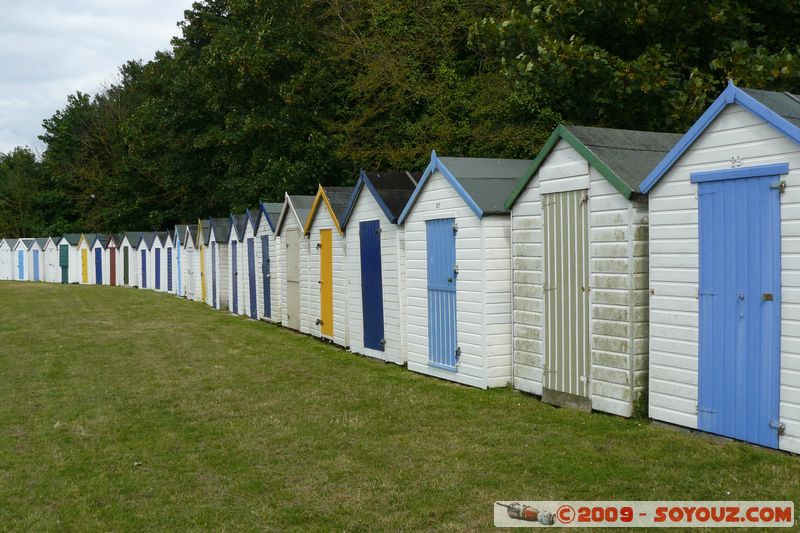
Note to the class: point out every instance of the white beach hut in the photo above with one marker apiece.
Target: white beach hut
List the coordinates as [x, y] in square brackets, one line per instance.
[218, 246]
[724, 208]
[69, 259]
[374, 245]
[327, 265]
[579, 234]
[5, 259]
[458, 270]
[293, 259]
[268, 269]
[236, 263]
[51, 272]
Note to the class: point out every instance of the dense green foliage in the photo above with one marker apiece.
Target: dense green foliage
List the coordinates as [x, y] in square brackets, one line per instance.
[257, 97]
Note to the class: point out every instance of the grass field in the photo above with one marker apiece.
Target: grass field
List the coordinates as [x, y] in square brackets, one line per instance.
[131, 410]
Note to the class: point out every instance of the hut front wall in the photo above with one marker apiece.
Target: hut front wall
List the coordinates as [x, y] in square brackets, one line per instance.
[483, 296]
[674, 268]
[617, 277]
[323, 220]
[274, 280]
[5, 262]
[244, 278]
[291, 224]
[367, 209]
[222, 274]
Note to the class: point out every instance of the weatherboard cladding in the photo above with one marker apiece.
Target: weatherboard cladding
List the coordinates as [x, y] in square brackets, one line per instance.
[220, 235]
[5, 260]
[251, 308]
[736, 131]
[270, 212]
[293, 215]
[617, 248]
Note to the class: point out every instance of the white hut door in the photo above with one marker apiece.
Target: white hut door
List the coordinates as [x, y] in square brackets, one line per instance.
[293, 279]
[566, 298]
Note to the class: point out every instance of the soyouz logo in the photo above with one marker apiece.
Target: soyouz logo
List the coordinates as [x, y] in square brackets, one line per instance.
[726, 514]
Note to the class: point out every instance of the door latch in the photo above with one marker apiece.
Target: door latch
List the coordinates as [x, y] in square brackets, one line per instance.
[458, 353]
[779, 426]
[768, 297]
[780, 185]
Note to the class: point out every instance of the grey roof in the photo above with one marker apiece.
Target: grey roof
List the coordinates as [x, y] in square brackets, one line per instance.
[72, 238]
[192, 231]
[339, 198]
[41, 241]
[273, 212]
[162, 236]
[487, 181]
[180, 232]
[630, 154]
[204, 227]
[27, 243]
[394, 188]
[239, 224]
[785, 104]
[90, 238]
[302, 206]
[12, 242]
[148, 237]
[221, 228]
[134, 237]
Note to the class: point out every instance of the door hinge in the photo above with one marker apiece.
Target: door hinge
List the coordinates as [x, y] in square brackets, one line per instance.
[780, 185]
[455, 228]
[704, 410]
[383, 342]
[705, 293]
[318, 322]
[779, 426]
[458, 354]
[379, 231]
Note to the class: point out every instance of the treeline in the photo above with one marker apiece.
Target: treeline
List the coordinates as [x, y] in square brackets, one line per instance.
[257, 97]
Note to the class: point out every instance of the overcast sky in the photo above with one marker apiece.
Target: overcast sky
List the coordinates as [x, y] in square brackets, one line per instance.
[52, 48]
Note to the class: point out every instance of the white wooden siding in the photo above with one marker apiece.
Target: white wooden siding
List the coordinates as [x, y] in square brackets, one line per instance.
[291, 223]
[264, 229]
[674, 268]
[367, 208]
[483, 296]
[618, 281]
[323, 220]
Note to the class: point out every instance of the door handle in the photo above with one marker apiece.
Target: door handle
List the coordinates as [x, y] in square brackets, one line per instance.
[767, 297]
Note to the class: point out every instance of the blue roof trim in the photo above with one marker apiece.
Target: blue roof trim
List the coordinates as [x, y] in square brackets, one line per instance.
[269, 220]
[730, 95]
[363, 180]
[434, 165]
[776, 169]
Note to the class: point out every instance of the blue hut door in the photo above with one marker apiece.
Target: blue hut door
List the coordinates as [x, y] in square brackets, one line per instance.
[251, 276]
[98, 266]
[35, 265]
[234, 279]
[169, 269]
[214, 275]
[21, 265]
[63, 262]
[144, 269]
[442, 270]
[266, 276]
[125, 265]
[369, 235]
[740, 291]
[158, 269]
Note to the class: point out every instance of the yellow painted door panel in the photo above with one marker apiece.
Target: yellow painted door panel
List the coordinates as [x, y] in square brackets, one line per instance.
[84, 266]
[326, 281]
[203, 273]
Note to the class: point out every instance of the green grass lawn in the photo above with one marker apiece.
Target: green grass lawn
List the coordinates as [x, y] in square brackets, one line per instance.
[125, 409]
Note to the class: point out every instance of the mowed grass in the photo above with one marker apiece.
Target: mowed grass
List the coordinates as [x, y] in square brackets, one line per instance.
[125, 409]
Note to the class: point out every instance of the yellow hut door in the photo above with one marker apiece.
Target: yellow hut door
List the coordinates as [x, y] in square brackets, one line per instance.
[326, 281]
[84, 266]
[203, 272]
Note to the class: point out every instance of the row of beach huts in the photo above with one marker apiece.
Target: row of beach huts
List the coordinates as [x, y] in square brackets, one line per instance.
[617, 266]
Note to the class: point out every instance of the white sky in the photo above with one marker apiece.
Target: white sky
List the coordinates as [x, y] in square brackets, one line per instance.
[52, 48]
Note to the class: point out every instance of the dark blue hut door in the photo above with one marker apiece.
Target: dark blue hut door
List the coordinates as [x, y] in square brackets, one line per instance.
[251, 276]
[234, 279]
[144, 269]
[35, 265]
[98, 266]
[214, 274]
[169, 269]
[266, 276]
[369, 235]
[740, 291]
[441, 252]
[158, 268]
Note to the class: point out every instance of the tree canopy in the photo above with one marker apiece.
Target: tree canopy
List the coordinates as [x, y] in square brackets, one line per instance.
[258, 97]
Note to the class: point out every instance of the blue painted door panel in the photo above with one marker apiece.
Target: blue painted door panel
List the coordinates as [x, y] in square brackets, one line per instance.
[158, 268]
[214, 275]
[234, 279]
[266, 276]
[35, 265]
[21, 264]
[98, 266]
[169, 269]
[144, 269]
[441, 252]
[740, 293]
[251, 277]
[369, 235]
[178, 248]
